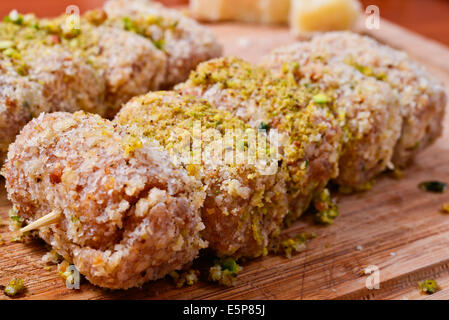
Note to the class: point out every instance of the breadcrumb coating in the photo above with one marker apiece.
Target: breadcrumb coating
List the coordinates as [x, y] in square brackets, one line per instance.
[128, 215]
[95, 64]
[309, 135]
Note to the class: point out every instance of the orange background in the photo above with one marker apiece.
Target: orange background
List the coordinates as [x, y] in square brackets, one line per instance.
[428, 17]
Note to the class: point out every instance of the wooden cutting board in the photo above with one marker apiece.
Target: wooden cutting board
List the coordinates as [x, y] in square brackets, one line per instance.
[395, 227]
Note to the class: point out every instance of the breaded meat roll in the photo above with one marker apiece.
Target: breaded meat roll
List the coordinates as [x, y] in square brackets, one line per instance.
[129, 64]
[127, 213]
[185, 42]
[368, 110]
[36, 77]
[245, 204]
[309, 135]
[422, 97]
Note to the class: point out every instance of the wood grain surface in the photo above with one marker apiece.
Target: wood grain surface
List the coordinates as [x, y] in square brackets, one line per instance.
[395, 227]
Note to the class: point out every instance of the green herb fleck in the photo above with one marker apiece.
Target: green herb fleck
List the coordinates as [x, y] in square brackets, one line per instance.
[159, 43]
[14, 17]
[12, 53]
[326, 207]
[290, 246]
[264, 126]
[321, 98]
[188, 278]
[433, 186]
[129, 24]
[428, 286]
[15, 218]
[224, 271]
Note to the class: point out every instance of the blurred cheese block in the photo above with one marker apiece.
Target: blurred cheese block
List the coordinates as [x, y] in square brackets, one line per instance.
[255, 11]
[323, 15]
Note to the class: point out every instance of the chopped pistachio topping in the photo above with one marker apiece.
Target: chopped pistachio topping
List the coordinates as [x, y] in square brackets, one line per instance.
[15, 18]
[22, 35]
[429, 286]
[366, 70]
[289, 107]
[326, 207]
[15, 221]
[15, 287]
[149, 26]
[289, 246]
[224, 272]
[397, 174]
[321, 98]
[188, 278]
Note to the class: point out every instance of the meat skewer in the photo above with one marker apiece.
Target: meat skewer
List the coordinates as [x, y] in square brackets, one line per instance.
[47, 220]
[334, 122]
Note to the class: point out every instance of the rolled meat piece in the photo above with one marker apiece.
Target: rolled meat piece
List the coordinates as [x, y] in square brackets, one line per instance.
[36, 77]
[93, 63]
[245, 203]
[127, 213]
[129, 64]
[185, 42]
[309, 134]
[422, 97]
[368, 110]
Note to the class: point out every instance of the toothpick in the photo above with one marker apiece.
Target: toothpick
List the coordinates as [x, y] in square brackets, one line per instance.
[49, 219]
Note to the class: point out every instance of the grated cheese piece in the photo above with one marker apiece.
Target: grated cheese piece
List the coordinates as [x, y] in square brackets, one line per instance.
[254, 11]
[323, 15]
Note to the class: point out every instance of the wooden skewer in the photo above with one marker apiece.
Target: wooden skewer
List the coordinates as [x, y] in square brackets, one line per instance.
[51, 218]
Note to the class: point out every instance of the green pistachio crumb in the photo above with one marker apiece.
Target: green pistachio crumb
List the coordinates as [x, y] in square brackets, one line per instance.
[186, 278]
[326, 207]
[12, 53]
[14, 287]
[14, 17]
[289, 246]
[321, 98]
[433, 186]
[224, 271]
[264, 126]
[429, 286]
[159, 44]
